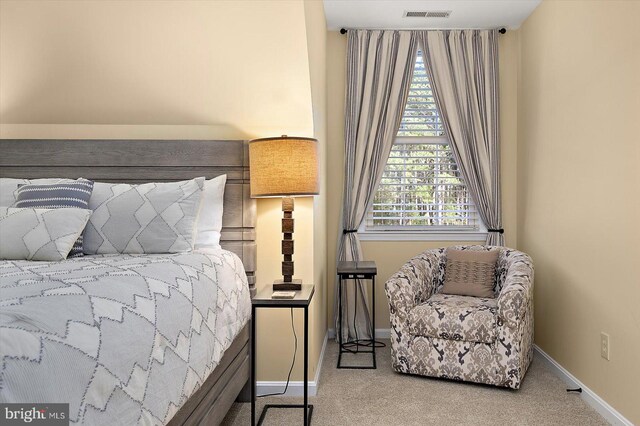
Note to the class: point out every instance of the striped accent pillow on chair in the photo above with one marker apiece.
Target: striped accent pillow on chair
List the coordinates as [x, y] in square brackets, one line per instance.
[53, 196]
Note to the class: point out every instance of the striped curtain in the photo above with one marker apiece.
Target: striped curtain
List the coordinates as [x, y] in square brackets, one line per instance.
[463, 67]
[379, 69]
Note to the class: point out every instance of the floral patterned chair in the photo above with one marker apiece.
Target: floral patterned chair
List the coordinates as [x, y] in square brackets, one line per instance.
[459, 337]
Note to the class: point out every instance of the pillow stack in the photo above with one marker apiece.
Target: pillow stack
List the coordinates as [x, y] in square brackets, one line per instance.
[104, 218]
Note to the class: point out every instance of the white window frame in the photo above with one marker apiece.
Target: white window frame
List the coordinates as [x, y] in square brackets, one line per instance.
[422, 235]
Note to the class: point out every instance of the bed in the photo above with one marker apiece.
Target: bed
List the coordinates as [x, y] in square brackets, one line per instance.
[191, 362]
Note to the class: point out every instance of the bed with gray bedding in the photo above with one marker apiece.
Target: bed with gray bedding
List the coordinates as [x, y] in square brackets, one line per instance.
[141, 161]
[124, 339]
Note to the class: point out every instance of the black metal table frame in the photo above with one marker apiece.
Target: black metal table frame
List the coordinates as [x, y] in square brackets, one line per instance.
[309, 411]
[372, 342]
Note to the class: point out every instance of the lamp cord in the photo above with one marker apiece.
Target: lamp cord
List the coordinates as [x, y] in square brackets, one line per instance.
[357, 342]
[355, 314]
[293, 361]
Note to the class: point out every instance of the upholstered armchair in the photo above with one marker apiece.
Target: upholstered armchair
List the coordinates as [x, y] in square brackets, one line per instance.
[466, 338]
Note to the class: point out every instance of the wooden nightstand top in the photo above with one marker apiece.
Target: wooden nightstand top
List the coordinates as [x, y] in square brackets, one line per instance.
[366, 267]
[302, 298]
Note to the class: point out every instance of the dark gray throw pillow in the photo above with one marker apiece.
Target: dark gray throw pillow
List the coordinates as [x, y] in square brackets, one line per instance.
[53, 196]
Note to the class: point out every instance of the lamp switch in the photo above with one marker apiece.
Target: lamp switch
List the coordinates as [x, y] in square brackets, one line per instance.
[604, 346]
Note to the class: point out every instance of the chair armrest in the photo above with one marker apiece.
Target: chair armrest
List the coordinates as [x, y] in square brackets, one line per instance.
[516, 296]
[414, 283]
[399, 289]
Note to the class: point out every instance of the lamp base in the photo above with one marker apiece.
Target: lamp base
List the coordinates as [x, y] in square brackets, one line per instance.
[294, 285]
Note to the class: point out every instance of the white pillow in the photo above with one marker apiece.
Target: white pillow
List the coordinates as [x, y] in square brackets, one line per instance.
[9, 186]
[40, 234]
[209, 224]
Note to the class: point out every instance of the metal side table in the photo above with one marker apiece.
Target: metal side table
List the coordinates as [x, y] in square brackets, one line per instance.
[263, 299]
[363, 270]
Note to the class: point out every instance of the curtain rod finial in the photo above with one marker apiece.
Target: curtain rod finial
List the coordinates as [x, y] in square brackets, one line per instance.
[343, 30]
[502, 30]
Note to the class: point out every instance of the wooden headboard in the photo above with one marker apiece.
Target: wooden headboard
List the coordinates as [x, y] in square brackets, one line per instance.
[136, 161]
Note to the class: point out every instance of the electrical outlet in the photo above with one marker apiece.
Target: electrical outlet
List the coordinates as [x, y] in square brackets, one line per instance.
[604, 346]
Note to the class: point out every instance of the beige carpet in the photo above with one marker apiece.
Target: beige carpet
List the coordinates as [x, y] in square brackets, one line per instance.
[383, 397]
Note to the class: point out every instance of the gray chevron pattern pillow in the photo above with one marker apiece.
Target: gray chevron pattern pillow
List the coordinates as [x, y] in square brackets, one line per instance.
[40, 234]
[147, 218]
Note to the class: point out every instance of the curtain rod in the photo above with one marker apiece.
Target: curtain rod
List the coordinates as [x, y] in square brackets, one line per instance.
[501, 30]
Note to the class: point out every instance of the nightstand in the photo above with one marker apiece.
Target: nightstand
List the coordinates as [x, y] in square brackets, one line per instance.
[263, 299]
[362, 270]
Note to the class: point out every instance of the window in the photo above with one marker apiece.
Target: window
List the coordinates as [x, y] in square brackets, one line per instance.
[421, 194]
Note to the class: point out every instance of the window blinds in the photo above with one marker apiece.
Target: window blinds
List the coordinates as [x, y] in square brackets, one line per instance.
[421, 187]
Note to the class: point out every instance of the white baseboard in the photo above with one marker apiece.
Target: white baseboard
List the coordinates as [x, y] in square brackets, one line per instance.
[296, 388]
[590, 397]
[381, 333]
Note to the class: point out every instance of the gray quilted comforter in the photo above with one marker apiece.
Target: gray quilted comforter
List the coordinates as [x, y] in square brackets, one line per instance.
[124, 339]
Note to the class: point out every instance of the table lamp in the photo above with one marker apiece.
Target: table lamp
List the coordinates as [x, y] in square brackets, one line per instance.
[287, 167]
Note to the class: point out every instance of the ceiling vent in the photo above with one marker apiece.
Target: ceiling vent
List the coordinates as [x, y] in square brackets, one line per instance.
[428, 14]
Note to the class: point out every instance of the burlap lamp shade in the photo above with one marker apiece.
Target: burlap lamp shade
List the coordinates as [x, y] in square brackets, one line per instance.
[284, 167]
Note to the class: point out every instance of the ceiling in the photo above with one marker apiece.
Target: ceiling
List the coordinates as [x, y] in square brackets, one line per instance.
[389, 14]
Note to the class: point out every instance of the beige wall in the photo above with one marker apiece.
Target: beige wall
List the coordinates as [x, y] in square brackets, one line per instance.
[317, 46]
[579, 188]
[179, 69]
[391, 255]
[167, 62]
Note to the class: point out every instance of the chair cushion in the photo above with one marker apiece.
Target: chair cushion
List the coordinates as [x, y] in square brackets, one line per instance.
[470, 272]
[454, 317]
